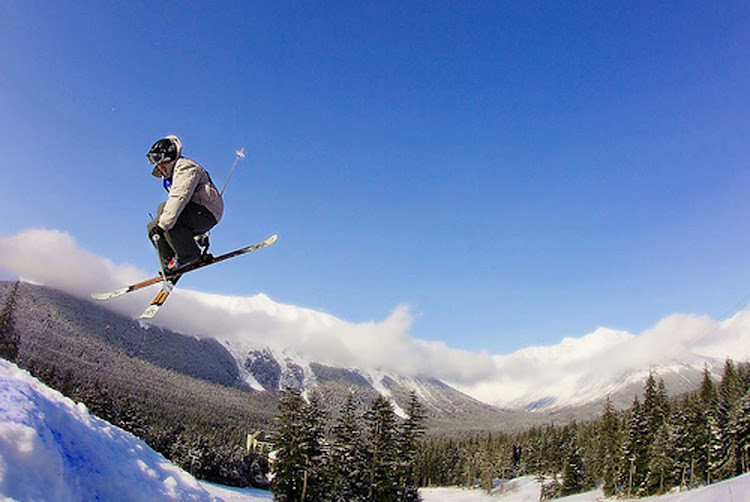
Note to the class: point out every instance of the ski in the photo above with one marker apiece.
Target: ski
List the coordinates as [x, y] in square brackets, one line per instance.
[174, 275]
[160, 298]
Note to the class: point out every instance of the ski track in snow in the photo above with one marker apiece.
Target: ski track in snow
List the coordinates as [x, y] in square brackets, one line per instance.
[52, 449]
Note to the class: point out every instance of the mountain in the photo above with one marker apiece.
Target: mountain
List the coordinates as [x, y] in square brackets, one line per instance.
[580, 371]
[84, 341]
[531, 386]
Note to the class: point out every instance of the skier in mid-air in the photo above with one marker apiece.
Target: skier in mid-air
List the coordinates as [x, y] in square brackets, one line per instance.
[192, 208]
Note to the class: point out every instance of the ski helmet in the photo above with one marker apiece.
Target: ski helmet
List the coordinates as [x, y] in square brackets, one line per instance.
[164, 150]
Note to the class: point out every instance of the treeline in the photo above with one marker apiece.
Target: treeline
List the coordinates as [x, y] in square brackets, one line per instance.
[200, 438]
[656, 445]
[358, 457]
[8, 335]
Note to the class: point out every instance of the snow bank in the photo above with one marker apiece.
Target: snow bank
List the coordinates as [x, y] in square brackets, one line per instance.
[526, 489]
[52, 449]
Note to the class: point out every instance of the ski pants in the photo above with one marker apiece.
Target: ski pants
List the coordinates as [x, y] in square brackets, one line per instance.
[178, 242]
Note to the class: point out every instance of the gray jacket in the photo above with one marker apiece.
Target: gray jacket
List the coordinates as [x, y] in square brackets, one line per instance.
[190, 182]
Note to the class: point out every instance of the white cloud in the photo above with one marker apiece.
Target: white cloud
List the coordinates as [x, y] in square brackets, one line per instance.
[54, 259]
[571, 370]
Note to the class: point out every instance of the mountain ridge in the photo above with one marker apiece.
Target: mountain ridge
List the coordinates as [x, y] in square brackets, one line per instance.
[265, 369]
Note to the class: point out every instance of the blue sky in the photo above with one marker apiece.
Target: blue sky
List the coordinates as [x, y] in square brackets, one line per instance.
[514, 172]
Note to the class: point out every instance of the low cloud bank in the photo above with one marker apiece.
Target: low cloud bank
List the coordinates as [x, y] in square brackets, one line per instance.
[591, 363]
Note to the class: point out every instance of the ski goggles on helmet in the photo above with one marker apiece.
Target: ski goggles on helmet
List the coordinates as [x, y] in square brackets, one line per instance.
[163, 150]
[157, 157]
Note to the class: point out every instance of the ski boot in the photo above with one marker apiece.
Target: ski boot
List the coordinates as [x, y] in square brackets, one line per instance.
[203, 243]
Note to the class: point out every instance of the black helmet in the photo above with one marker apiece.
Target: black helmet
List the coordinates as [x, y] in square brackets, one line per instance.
[164, 150]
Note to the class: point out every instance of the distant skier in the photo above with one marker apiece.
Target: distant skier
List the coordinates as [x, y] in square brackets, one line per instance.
[192, 208]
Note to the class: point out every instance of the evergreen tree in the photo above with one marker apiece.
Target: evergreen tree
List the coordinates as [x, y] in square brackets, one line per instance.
[412, 431]
[739, 431]
[382, 433]
[349, 456]
[289, 482]
[574, 479]
[708, 389]
[8, 336]
[609, 457]
[688, 438]
[635, 449]
[661, 464]
[654, 413]
[313, 447]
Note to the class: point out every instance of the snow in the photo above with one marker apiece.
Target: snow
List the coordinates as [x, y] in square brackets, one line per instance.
[526, 489]
[52, 449]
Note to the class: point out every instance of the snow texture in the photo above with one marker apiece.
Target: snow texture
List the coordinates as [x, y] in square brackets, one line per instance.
[52, 449]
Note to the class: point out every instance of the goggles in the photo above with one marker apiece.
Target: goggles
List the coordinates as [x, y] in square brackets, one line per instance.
[156, 157]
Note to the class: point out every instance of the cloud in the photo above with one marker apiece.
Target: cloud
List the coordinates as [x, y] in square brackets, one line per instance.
[592, 365]
[53, 258]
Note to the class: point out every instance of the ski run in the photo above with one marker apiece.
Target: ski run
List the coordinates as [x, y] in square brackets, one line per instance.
[52, 449]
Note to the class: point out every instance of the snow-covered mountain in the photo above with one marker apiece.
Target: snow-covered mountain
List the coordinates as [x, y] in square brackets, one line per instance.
[267, 346]
[581, 371]
[90, 342]
[575, 372]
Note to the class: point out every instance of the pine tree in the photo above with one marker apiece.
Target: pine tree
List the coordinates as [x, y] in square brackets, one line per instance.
[708, 389]
[635, 449]
[408, 442]
[687, 436]
[313, 448]
[661, 464]
[655, 412]
[289, 470]
[349, 456]
[739, 431]
[381, 424]
[574, 470]
[9, 338]
[609, 449]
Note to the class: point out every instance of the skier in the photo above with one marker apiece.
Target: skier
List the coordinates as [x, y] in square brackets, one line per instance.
[192, 208]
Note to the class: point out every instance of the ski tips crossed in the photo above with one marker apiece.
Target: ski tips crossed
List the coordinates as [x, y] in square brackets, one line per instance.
[161, 297]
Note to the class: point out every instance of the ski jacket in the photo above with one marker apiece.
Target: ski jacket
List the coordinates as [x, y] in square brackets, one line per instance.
[190, 182]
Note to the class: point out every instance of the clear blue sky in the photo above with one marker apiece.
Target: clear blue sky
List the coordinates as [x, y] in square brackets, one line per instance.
[516, 172]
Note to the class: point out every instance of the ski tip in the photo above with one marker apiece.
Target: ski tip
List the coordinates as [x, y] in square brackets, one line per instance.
[109, 295]
[271, 240]
[150, 312]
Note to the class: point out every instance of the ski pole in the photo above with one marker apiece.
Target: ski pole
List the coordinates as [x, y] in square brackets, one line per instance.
[155, 239]
[240, 154]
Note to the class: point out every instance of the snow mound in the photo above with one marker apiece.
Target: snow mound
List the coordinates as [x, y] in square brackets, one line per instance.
[52, 449]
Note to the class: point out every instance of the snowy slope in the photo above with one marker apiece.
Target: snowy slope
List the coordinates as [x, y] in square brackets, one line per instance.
[52, 449]
[526, 489]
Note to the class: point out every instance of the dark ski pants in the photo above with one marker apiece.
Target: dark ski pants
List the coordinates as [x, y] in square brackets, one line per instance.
[178, 242]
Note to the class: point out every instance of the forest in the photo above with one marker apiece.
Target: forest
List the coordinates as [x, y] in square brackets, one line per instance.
[656, 445]
[357, 457]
